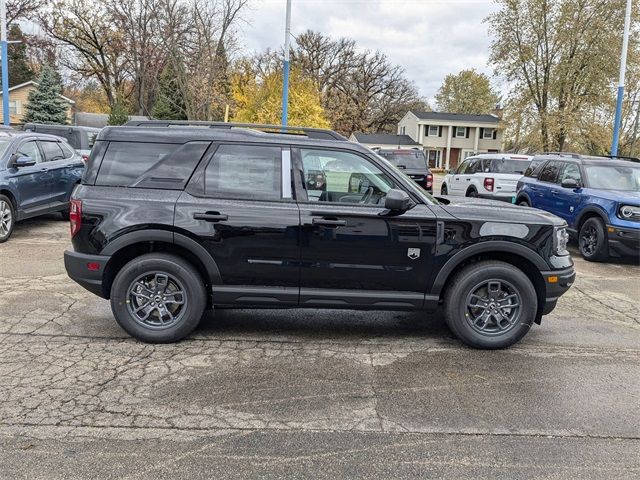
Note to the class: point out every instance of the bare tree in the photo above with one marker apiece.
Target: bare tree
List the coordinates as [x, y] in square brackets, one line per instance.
[23, 9]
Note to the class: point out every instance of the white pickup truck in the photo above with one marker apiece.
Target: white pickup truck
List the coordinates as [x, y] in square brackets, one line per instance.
[488, 175]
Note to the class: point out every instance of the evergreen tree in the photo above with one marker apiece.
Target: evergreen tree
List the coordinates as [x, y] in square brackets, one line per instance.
[19, 70]
[119, 114]
[170, 103]
[44, 104]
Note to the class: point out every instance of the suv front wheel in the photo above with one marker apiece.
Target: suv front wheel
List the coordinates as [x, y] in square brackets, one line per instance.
[158, 298]
[490, 304]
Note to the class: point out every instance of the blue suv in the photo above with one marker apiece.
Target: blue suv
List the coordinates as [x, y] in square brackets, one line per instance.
[598, 197]
[37, 174]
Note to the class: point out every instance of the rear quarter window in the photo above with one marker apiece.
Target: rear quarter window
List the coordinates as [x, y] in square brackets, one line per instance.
[149, 165]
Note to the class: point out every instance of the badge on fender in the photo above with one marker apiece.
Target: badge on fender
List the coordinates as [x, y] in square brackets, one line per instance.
[413, 253]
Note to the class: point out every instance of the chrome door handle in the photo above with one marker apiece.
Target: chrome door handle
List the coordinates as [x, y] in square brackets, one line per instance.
[329, 222]
[210, 216]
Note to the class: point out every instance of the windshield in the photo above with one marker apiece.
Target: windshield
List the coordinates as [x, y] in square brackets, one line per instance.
[409, 159]
[91, 137]
[4, 144]
[613, 177]
[506, 165]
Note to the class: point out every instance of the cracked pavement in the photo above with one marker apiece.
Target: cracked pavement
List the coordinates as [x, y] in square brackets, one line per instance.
[310, 394]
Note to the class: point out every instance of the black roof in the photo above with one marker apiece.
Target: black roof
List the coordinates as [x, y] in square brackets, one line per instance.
[452, 117]
[187, 134]
[319, 133]
[385, 139]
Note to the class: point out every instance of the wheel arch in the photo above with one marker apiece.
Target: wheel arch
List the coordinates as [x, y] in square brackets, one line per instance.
[11, 196]
[515, 254]
[589, 212]
[129, 246]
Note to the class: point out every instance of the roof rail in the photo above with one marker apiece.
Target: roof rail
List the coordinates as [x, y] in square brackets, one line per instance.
[316, 133]
[623, 157]
[562, 154]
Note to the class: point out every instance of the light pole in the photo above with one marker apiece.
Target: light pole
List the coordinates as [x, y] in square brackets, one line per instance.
[623, 67]
[5, 62]
[285, 70]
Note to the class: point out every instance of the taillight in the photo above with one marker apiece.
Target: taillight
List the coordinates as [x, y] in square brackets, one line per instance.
[85, 158]
[488, 184]
[75, 216]
[429, 180]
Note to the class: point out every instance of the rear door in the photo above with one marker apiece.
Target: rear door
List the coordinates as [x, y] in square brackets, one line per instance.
[56, 168]
[460, 179]
[547, 182]
[239, 206]
[353, 251]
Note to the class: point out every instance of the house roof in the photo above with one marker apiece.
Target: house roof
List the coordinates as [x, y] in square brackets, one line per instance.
[35, 84]
[384, 139]
[452, 117]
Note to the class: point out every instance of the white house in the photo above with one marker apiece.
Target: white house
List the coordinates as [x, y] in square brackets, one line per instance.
[448, 138]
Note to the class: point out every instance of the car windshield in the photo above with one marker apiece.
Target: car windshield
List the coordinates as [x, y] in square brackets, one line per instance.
[507, 165]
[613, 177]
[431, 200]
[409, 159]
[4, 144]
[91, 137]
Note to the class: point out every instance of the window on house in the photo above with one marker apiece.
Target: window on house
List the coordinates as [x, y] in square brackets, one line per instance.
[488, 133]
[14, 107]
[433, 130]
[461, 131]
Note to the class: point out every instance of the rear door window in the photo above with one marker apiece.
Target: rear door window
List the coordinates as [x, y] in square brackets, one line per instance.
[245, 171]
[549, 172]
[508, 165]
[52, 151]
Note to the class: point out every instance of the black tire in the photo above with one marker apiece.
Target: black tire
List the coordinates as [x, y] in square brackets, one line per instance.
[443, 189]
[7, 218]
[523, 202]
[496, 333]
[592, 240]
[472, 193]
[181, 277]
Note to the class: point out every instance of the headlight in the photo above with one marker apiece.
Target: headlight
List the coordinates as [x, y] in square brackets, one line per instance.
[560, 240]
[629, 212]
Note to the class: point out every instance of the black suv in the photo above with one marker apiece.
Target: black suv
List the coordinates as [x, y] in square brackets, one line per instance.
[412, 162]
[168, 222]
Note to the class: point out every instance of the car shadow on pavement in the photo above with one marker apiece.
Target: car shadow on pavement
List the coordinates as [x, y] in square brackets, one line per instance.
[333, 324]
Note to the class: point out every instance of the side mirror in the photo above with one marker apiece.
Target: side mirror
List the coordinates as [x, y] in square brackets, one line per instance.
[19, 161]
[397, 200]
[571, 183]
[451, 171]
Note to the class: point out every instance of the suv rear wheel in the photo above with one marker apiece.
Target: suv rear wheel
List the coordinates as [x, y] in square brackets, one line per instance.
[158, 298]
[490, 305]
[472, 193]
[7, 218]
[592, 240]
[443, 189]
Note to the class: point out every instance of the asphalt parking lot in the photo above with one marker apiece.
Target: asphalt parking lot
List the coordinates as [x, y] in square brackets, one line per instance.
[310, 394]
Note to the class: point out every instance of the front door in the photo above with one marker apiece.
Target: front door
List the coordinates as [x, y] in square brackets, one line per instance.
[239, 207]
[34, 187]
[567, 199]
[353, 251]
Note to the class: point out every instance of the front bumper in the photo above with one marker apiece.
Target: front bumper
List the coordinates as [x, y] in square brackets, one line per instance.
[557, 282]
[86, 270]
[623, 241]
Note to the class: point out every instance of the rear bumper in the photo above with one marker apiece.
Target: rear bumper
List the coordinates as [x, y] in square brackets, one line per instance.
[86, 270]
[557, 283]
[623, 241]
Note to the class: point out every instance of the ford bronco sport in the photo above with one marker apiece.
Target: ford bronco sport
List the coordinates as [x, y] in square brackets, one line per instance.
[168, 222]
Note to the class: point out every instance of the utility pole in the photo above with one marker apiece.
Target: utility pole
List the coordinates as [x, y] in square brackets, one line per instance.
[623, 68]
[5, 62]
[285, 72]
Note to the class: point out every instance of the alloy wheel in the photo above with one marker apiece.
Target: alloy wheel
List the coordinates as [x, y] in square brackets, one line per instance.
[589, 240]
[493, 307]
[156, 300]
[6, 219]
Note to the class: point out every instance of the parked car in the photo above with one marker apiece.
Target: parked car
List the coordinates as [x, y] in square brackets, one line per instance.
[80, 138]
[412, 162]
[490, 175]
[598, 197]
[170, 221]
[37, 174]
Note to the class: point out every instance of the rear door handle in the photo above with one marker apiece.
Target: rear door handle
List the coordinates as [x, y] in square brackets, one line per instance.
[329, 222]
[211, 216]
[44, 169]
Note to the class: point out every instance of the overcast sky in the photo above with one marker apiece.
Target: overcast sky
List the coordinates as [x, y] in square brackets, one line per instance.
[429, 38]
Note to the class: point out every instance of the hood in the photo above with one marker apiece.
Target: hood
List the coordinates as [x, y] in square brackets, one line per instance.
[467, 208]
[614, 195]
